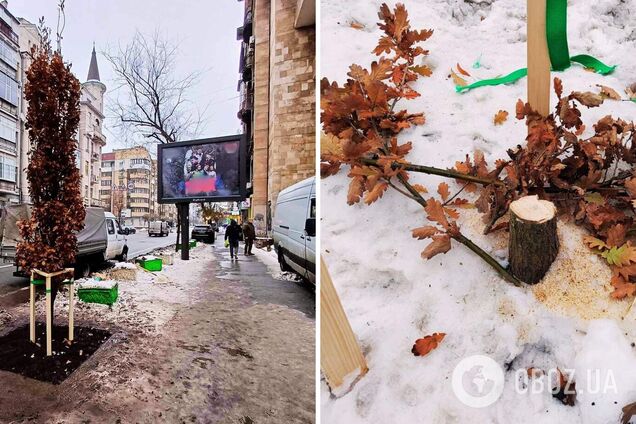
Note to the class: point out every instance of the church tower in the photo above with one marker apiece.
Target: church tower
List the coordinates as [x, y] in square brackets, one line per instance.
[91, 140]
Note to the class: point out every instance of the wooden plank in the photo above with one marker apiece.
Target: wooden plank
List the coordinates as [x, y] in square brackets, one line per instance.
[340, 355]
[538, 58]
[32, 308]
[49, 318]
[71, 293]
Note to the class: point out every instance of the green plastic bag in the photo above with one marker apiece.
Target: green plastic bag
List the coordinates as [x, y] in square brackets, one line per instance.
[227, 243]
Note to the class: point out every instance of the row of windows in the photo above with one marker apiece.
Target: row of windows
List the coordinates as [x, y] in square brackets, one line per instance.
[7, 168]
[138, 161]
[139, 200]
[140, 190]
[8, 89]
[140, 209]
[106, 183]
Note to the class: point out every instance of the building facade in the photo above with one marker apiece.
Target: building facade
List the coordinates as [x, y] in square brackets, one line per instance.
[277, 109]
[28, 37]
[90, 138]
[128, 187]
[9, 106]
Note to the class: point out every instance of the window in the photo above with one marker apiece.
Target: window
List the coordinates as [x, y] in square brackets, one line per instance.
[312, 208]
[7, 168]
[8, 55]
[111, 226]
[8, 89]
[8, 129]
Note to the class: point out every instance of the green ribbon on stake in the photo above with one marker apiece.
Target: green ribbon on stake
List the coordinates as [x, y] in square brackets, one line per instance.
[556, 36]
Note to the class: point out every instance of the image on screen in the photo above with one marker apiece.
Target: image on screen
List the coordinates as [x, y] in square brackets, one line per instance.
[201, 170]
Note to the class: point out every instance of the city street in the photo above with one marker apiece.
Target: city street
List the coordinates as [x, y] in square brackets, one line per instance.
[138, 244]
[207, 340]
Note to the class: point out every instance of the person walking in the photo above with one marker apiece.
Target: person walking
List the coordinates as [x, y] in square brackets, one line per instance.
[249, 235]
[232, 235]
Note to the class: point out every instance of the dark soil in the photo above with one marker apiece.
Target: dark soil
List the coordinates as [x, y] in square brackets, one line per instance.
[20, 356]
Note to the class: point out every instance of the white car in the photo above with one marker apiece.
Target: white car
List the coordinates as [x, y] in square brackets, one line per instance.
[294, 229]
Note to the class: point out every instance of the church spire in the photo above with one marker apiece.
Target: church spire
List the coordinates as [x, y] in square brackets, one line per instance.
[93, 70]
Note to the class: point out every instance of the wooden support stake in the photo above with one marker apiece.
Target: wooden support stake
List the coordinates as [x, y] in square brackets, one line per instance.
[534, 243]
[71, 293]
[538, 58]
[49, 305]
[49, 316]
[340, 355]
[32, 308]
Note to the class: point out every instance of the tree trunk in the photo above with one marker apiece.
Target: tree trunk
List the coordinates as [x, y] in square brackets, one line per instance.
[534, 243]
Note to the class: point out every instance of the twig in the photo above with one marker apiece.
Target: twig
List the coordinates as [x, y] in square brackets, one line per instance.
[436, 171]
[467, 242]
[454, 195]
[402, 191]
[416, 195]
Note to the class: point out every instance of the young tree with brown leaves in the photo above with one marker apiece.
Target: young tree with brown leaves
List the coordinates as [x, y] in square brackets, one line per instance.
[49, 241]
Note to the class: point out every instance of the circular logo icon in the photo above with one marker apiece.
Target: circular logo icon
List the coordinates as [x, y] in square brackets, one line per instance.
[478, 381]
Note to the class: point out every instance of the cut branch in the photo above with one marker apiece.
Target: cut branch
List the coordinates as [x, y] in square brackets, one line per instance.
[436, 171]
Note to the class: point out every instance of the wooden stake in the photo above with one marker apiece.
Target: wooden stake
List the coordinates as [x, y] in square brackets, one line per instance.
[534, 243]
[71, 293]
[49, 326]
[32, 308]
[340, 355]
[538, 58]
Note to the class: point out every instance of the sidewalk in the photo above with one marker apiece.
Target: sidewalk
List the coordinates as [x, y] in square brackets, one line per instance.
[208, 340]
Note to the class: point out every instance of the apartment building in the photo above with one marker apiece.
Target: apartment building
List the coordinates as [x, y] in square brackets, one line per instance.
[277, 87]
[128, 187]
[9, 106]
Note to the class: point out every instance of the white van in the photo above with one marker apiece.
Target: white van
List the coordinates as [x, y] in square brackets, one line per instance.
[158, 228]
[294, 229]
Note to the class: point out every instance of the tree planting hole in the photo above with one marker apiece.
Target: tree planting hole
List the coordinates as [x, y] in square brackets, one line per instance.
[20, 356]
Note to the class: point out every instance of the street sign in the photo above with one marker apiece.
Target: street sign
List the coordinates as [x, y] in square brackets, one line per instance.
[131, 185]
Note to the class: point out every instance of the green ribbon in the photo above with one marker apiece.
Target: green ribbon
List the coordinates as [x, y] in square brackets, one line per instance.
[556, 36]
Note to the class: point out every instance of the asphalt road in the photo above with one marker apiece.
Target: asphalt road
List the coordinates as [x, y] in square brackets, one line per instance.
[138, 244]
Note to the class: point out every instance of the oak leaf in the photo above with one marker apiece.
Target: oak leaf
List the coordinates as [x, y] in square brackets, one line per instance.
[424, 232]
[427, 343]
[443, 191]
[500, 117]
[459, 81]
[440, 244]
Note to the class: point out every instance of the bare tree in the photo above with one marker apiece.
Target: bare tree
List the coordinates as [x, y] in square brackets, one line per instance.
[151, 100]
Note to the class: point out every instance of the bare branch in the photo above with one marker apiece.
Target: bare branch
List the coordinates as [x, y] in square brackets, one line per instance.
[151, 101]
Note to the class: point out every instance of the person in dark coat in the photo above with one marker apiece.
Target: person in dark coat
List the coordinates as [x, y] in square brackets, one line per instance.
[249, 235]
[233, 234]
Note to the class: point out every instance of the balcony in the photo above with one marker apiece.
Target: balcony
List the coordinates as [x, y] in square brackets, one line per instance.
[145, 166]
[245, 113]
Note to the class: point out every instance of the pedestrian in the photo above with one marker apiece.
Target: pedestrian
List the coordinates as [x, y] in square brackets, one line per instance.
[232, 235]
[249, 234]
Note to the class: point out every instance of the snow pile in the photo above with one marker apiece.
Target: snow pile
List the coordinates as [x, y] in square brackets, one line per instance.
[124, 265]
[95, 284]
[392, 296]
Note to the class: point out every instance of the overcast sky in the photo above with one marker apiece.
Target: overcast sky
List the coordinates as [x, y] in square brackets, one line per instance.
[205, 30]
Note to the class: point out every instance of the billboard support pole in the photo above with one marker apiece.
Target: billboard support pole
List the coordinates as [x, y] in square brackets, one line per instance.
[184, 212]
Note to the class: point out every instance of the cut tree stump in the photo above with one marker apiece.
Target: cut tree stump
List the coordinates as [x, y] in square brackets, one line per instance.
[534, 243]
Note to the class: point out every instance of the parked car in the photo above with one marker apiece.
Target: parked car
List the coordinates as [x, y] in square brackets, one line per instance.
[158, 228]
[294, 229]
[128, 229]
[203, 232]
[100, 240]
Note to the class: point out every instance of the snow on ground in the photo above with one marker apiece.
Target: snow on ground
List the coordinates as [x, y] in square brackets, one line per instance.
[269, 258]
[392, 297]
